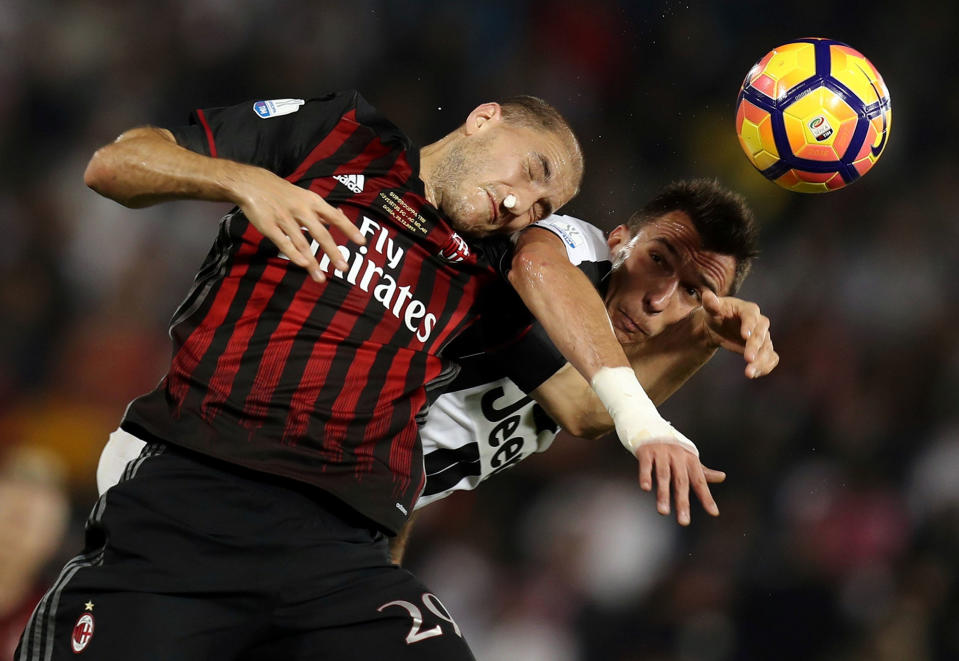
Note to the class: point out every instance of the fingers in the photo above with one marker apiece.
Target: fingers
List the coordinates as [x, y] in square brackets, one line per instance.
[645, 470]
[681, 493]
[282, 211]
[742, 327]
[714, 476]
[761, 357]
[757, 340]
[711, 303]
[314, 219]
[662, 487]
[305, 254]
[331, 215]
[700, 481]
[289, 240]
[676, 470]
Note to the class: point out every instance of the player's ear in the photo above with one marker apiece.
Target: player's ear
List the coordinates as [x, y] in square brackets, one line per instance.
[483, 116]
[618, 238]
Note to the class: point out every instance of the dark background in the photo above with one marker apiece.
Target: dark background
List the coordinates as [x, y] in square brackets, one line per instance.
[839, 530]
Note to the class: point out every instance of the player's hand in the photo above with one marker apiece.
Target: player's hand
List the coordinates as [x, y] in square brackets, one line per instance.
[738, 325]
[281, 211]
[676, 469]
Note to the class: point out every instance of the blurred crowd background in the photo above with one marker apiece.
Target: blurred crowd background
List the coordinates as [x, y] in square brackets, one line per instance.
[839, 533]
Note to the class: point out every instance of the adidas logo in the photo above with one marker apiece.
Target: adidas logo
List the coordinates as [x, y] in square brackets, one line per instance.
[352, 181]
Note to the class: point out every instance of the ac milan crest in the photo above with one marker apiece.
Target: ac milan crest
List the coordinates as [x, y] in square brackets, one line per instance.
[82, 632]
[455, 250]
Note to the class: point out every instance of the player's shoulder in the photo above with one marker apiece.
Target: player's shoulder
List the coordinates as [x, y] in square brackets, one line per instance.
[584, 241]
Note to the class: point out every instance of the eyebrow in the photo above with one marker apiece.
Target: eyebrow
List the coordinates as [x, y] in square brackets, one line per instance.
[547, 172]
[703, 279]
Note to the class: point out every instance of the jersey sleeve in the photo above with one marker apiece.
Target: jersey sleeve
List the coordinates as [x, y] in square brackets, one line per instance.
[583, 242]
[277, 134]
[531, 360]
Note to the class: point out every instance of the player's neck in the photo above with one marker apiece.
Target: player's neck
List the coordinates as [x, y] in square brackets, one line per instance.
[430, 157]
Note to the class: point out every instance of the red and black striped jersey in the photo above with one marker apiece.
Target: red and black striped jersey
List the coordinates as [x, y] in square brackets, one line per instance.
[320, 382]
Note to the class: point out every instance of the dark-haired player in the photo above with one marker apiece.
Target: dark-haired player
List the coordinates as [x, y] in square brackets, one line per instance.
[667, 278]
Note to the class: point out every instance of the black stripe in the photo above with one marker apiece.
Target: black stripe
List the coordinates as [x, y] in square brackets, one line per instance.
[209, 279]
[446, 467]
[282, 299]
[206, 368]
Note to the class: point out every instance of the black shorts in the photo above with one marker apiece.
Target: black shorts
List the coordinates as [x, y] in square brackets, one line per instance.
[189, 558]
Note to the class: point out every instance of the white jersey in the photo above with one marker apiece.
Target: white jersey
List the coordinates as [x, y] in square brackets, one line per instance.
[473, 433]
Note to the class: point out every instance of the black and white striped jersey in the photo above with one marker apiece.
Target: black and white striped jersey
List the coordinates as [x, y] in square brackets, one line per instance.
[486, 422]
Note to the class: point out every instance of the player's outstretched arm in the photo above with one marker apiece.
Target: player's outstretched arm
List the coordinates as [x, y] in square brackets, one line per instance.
[145, 166]
[564, 301]
[662, 364]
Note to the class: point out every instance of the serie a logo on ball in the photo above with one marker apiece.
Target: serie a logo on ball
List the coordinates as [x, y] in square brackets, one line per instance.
[813, 115]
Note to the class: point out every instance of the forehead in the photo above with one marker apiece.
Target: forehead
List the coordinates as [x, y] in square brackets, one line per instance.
[675, 233]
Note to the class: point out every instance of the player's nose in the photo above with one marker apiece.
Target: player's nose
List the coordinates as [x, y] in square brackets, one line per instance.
[516, 203]
[659, 294]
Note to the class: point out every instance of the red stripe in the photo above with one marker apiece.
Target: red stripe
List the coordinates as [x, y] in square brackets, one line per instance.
[280, 344]
[209, 134]
[401, 171]
[278, 349]
[194, 348]
[395, 388]
[313, 380]
[343, 408]
[401, 448]
[454, 322]
[228, 365]
[276, 353]
[382, 336]
[328, 146]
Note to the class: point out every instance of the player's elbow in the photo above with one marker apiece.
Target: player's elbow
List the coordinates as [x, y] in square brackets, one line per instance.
[529, 266]
[104, 174]
[110, 169]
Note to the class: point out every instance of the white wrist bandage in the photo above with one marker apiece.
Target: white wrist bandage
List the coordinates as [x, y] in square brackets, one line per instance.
[634, 414]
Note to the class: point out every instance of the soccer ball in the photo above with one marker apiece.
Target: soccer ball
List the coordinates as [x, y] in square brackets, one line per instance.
[813, 115]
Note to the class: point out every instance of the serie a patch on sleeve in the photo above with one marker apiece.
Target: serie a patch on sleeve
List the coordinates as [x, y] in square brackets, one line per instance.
[276, 107]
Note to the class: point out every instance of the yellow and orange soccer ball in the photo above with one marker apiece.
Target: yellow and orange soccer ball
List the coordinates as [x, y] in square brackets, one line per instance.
[813, 115]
